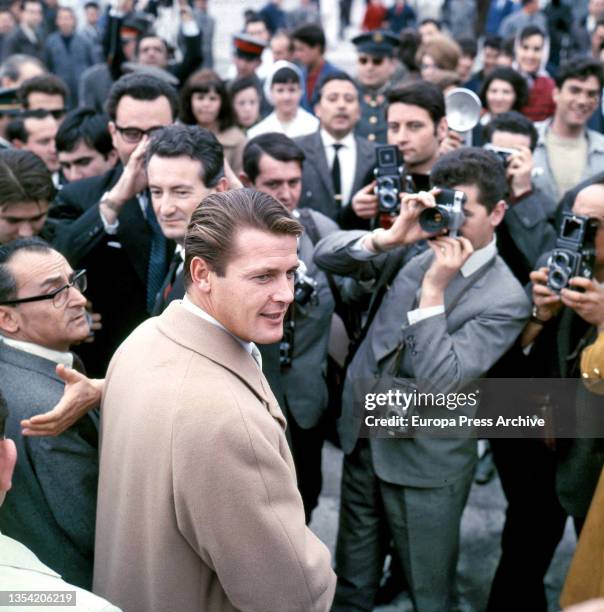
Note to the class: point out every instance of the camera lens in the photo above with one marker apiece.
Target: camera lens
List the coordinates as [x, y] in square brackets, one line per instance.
[433, 220]
[557, 279]
[560, 259]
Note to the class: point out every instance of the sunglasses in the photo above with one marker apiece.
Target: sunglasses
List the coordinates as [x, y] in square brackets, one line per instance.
[42, 113]
[376, 61]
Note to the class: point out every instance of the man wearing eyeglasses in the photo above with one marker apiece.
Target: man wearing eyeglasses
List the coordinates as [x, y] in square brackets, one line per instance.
[107, 224]
[51, 508]
[44, 92]
[375, 69]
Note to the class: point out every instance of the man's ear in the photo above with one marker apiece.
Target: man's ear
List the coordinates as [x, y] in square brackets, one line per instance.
[9, 320]
[113, 132]
[223, 184]
[556, 94]
[441, 129]
[18, 144]
[245, 179]
[8, 459]
[201, 275]
[112, 156]
[498, 213]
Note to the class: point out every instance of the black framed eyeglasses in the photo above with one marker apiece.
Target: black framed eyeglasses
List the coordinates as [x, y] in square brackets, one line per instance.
[133, 134]
[42, 113]
[58, 296]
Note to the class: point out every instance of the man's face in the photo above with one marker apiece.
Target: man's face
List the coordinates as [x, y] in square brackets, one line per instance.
[84, 161]
[245, 66]
[509, 140]
[38, 100]
[305, 54]
[252, 298]
[280, 179]
[176, 190]
[92, 15]
[590, 202]
[428, 31]
[41, 140]
[464, 67]
[374, 70]
[479, 225]
[286, 97]
[412, 130]
[597, 38]
[576, 101]
[22, 220]
[280, 46]
[66, 22]
[152, 52]
[258, 30]
[7, 23]
[529, 53]
[31, 15]
[596, 8]
[338, 108]
[489, 59]
[139, 114]
[41, 322]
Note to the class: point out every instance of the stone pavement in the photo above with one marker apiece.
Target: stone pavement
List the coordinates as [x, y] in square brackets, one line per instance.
[480, 533]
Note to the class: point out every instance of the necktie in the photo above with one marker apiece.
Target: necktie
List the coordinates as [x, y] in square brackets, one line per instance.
[157, 259]
[336, 177]
[256, 356]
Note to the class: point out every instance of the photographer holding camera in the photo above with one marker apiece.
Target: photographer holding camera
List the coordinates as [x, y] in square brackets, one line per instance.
[525, 232]
[447, 316]
[417, 126]
[547, 480]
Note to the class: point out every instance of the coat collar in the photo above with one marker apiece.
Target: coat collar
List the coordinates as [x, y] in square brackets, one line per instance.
[217, 345]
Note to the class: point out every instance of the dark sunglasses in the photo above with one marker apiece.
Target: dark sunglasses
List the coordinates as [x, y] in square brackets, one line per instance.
[42, 113]
[376, 61]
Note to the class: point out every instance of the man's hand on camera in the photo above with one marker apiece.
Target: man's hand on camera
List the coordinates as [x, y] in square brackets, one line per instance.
[406, 229]
[519, 171]
[132, 181]
[450, 254]
[588, 303]
[365, 202]
[546, 301]
[451, 142]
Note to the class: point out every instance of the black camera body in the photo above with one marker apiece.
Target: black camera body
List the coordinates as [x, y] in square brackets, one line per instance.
[447, 214]
[503, 153]
[390, 177]
[305, 286]
[575, 251]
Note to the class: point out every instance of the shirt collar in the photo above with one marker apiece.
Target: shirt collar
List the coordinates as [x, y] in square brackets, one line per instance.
[479, 258]
[196, 310]
[328, 140]
[66, 358]
[180, 250]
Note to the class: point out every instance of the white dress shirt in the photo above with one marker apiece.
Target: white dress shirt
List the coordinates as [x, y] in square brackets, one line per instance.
[250, 347]
[348, 161]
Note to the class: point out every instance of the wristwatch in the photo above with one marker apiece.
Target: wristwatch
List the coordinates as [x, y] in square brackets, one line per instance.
[535, 319]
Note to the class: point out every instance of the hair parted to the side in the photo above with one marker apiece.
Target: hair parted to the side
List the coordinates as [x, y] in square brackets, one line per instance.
[24, 178]
[215, 223]
[472, 166]
[420, 93]
[8, 283]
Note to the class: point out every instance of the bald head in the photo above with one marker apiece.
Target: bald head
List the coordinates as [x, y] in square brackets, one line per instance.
[590, 201]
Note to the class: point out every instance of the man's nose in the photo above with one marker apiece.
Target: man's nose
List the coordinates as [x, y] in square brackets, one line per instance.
[26, 229]
[284, 291]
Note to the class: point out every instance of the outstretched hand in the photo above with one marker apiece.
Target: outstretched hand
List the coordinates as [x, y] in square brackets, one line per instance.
[80, 395]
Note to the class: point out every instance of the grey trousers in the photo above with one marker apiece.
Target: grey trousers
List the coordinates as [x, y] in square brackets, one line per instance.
[423, 523]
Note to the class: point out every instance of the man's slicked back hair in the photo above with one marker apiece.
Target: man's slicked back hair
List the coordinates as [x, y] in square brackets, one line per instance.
[214, 225]
[275, 145]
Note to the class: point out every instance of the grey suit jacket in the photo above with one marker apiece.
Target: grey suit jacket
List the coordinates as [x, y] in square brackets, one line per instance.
[448, 350]
[317, 187]
[51, 507]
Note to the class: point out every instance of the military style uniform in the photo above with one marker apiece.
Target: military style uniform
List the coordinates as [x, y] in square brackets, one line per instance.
[372, 124]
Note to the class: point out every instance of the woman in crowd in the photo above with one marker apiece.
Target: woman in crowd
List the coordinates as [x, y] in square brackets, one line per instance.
[438, 54]
[283, 89]
[205, 102]
[503, 90]
[245, 100]
[531, 56]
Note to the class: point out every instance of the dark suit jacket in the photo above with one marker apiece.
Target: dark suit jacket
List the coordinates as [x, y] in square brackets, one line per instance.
[51, 507]
[317, 186]
[17, 42]
[117, 264]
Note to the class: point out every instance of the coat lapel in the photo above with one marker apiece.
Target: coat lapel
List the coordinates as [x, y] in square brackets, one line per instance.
[365, 163]
[319, 161]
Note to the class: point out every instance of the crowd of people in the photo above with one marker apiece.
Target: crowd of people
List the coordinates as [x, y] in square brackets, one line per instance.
[204, 274]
